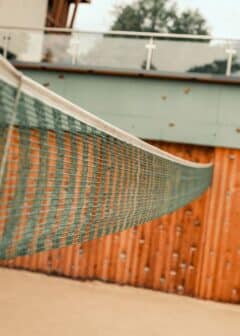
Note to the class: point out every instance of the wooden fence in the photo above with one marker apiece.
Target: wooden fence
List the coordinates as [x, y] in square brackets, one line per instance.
[194, 251]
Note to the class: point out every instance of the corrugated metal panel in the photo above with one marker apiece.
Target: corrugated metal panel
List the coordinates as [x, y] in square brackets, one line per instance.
[194, 251]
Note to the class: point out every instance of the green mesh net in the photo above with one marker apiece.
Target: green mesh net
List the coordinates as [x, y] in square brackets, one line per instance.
[65, 182]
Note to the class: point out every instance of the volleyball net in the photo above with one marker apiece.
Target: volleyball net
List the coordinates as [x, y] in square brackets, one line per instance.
[67, 177]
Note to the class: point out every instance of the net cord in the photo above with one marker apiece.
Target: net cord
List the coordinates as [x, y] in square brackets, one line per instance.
[31, 88]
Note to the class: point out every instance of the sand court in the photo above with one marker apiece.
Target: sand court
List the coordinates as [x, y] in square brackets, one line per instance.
[39, 305]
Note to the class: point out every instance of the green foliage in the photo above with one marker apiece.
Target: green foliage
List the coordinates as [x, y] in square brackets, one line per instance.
[159, 16]
[152, 66]
[189, 22]
[129, 20]
[217, 67]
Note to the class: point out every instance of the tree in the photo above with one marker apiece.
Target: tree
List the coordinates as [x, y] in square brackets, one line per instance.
[189, 22]
[159, 16]
[217, 67]
[128, 20]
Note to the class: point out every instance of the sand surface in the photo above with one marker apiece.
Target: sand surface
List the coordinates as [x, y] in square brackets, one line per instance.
[35, 304]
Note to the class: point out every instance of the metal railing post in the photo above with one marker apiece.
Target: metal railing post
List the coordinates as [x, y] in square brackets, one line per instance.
[230, 52]
[76, 46]
[150, 47]
[6, 39]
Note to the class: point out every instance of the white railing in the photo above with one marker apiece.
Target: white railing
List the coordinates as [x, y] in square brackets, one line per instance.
[122, 50]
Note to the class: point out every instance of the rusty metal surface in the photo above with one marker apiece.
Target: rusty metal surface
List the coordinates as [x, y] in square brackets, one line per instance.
[194, 251]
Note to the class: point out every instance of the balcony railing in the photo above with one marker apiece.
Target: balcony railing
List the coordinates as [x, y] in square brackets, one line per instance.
[122, 50]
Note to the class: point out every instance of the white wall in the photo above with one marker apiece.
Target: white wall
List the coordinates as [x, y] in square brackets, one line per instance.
[24, 13]
[30, 13]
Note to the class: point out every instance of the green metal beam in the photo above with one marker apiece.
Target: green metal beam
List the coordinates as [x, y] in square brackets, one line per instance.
[170, 110]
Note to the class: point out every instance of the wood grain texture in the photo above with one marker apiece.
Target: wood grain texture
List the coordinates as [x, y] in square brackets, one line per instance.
[194, 251]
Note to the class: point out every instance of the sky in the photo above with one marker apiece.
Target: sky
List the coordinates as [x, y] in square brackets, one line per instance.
[223, 16]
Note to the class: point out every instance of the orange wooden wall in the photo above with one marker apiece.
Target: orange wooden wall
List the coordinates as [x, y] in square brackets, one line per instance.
[194, 251]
